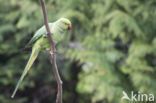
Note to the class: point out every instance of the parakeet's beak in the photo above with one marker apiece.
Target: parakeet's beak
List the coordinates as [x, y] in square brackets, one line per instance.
[69, 27]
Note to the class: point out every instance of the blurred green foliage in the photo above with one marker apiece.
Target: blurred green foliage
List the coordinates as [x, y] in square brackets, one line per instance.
[110, 49]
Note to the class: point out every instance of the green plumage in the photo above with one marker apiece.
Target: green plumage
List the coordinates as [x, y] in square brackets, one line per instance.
[40, 41]
[40, 33]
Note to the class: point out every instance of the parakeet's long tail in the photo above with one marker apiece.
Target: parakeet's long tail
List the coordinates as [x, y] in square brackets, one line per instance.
[34, 54]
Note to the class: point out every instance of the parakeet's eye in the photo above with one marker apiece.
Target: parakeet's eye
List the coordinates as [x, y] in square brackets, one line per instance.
[66, 24]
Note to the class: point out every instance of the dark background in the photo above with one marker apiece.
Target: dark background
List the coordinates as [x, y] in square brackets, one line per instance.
[111, 48]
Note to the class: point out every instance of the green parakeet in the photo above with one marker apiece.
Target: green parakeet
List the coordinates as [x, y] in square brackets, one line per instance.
[40, 41]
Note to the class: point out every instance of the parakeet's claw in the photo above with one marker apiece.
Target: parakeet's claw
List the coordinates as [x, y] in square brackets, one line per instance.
[53, 52]
[48, 49]
[45, 36]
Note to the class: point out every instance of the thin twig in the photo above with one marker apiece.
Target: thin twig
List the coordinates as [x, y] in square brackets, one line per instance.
[52, 52]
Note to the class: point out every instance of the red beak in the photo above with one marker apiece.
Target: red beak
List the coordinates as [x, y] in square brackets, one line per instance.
[69, 27]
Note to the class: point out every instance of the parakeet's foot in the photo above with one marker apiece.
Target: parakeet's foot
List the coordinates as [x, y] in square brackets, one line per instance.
[45, 36]
[52, 52]
[48, 49]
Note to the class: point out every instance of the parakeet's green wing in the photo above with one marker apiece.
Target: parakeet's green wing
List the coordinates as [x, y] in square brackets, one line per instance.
[41, 32]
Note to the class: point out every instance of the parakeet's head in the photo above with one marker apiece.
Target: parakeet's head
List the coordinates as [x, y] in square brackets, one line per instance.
[64, 24]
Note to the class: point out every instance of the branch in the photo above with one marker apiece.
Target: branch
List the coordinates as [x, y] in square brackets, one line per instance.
[52, 52]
